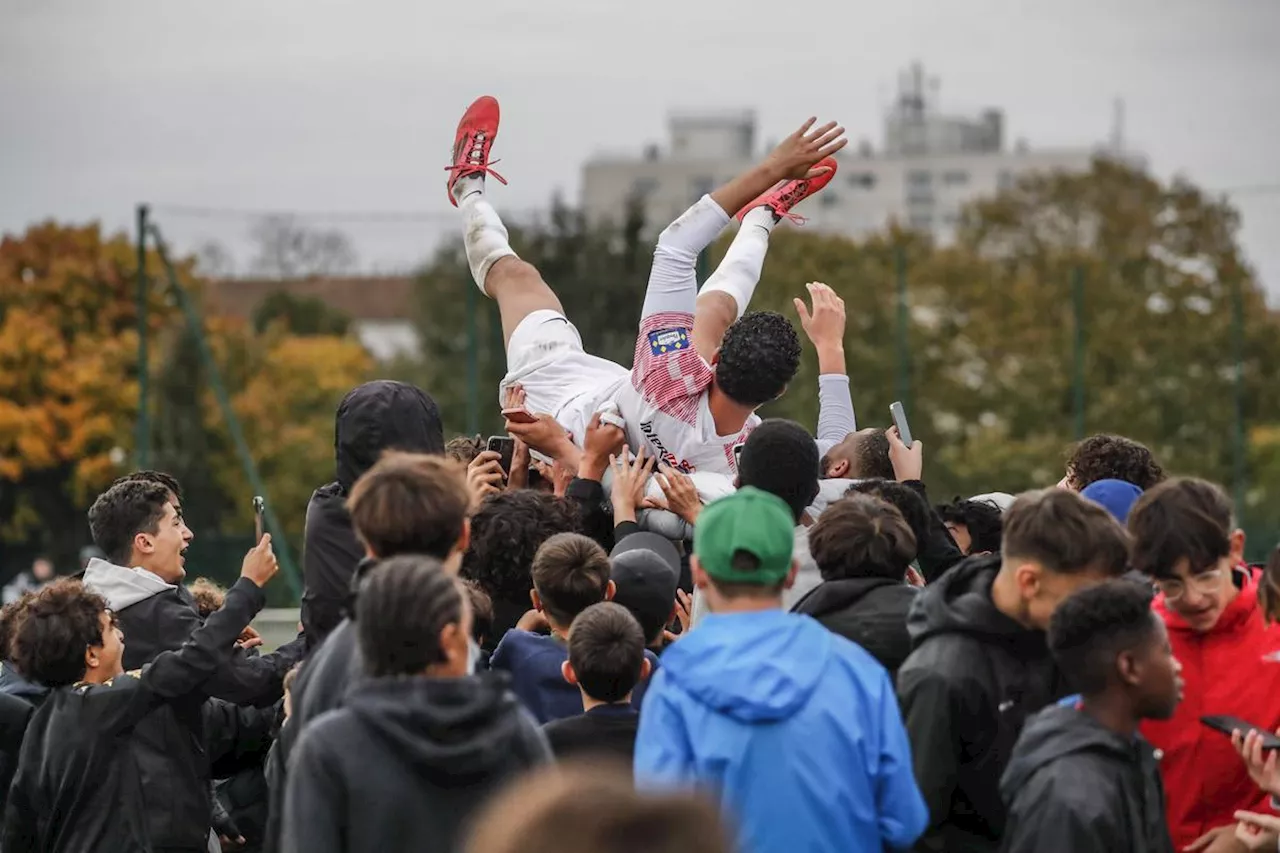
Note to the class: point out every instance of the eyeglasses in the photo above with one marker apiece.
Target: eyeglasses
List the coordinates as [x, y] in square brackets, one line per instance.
[1204, 583]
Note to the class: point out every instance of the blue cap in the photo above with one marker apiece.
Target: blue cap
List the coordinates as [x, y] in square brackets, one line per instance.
[1116, 496]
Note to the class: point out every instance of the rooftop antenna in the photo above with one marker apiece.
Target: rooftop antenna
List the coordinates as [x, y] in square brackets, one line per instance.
[1117, 125]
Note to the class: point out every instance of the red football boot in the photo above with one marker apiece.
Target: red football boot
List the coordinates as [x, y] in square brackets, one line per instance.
[788, 194]
[476, 132]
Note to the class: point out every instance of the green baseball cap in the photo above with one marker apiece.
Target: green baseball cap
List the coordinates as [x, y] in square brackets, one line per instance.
[748, 520]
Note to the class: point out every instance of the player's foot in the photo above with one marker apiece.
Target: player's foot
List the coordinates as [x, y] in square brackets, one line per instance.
[788, 194]
[476, 132]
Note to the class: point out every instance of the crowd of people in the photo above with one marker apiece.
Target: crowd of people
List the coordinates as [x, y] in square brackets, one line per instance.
[646, 620]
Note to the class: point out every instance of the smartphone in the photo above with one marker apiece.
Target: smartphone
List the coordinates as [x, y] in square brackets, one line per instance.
[1227, 724]
[505, 447]
[737, 456]
[900, 421]
[259, 507]
[519, 416]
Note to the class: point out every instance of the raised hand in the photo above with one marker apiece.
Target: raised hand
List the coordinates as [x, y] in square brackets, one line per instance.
[680, 495]
[825, 323]
[629, 478]
[260, 563]
[796, 156]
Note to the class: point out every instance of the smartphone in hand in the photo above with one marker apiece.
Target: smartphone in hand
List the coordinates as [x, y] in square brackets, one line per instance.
[900, 421]
[505, 447]
[259, 527]
[519, 416]
[1227, 724]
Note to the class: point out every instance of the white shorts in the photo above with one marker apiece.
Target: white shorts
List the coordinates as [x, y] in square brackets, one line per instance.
[545, 356]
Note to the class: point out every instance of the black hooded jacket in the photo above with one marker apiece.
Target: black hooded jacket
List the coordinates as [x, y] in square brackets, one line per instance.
[404, 763]
[973, 678]
[372, 418]
[1077, 787]
[870, 611]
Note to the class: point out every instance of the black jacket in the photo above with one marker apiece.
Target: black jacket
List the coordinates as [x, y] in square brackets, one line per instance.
[404, 763]
[936, 551]
[373, 417]
[972, 680]
[871, 612]
[1077, 787]
[605, 730]
[78, 785]
[171, 745]
[15, 713]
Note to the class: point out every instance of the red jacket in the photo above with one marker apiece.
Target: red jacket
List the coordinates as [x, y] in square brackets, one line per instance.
[1233, 669]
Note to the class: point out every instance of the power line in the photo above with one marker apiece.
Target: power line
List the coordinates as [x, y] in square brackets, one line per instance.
[433, 216]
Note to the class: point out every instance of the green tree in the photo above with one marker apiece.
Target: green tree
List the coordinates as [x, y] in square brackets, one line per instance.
[301, 315]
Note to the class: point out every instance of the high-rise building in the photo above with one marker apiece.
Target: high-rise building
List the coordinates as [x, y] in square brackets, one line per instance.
[929, 164]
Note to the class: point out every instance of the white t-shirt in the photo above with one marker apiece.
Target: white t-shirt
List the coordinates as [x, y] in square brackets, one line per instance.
[665, 404]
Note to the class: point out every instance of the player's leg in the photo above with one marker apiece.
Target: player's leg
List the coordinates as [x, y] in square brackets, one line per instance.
[515, 285]
[727, 293]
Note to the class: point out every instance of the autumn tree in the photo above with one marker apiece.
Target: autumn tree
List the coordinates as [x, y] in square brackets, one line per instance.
[68, 378]
[69, 393]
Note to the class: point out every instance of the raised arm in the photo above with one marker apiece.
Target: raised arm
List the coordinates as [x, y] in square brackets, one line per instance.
[824, 324]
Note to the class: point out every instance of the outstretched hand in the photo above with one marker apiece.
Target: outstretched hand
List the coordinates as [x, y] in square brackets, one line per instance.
[825, 324]
[798, 154]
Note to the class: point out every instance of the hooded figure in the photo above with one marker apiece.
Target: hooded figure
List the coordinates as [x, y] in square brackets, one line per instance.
[404, 763]
[796, 728]
[372, 418]
[972, 680]
[1075, 785]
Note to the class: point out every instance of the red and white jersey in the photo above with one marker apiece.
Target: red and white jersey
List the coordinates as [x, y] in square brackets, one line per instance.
[665, 404]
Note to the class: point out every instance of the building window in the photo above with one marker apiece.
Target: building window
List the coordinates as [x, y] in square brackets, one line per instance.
[950, 220]
[921, 222]
[865, 180]
[1006, 181]
[956, 178]
[828, 199]
[919, 179]
[919, 198]
[700, 186]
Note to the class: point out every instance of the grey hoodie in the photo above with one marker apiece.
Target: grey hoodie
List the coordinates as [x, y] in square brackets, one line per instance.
[122, 587]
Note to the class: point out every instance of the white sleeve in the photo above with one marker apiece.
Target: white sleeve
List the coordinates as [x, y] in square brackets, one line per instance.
[835, 411]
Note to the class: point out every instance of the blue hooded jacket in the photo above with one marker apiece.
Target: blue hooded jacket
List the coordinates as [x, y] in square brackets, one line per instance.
[796, 729]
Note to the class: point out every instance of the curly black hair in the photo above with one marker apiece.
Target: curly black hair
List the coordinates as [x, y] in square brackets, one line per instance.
[10, 617]
[61, 621]
[505, 535]
[1089, 628]
[759, 355]
[981, 518]
[124, 510]
[780, 457]
[1112, 457]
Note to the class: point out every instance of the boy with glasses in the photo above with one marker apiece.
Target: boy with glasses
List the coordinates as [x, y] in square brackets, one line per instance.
[1185, 538]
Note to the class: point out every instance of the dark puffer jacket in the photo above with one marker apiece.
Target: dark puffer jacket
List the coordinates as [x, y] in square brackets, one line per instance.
[1077, 787]
[972, 680]
[372, 418]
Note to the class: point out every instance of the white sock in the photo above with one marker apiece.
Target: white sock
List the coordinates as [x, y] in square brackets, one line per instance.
[483, 234]
[739, 272]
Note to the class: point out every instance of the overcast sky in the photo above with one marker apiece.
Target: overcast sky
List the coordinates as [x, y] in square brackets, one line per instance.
[321, 105]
